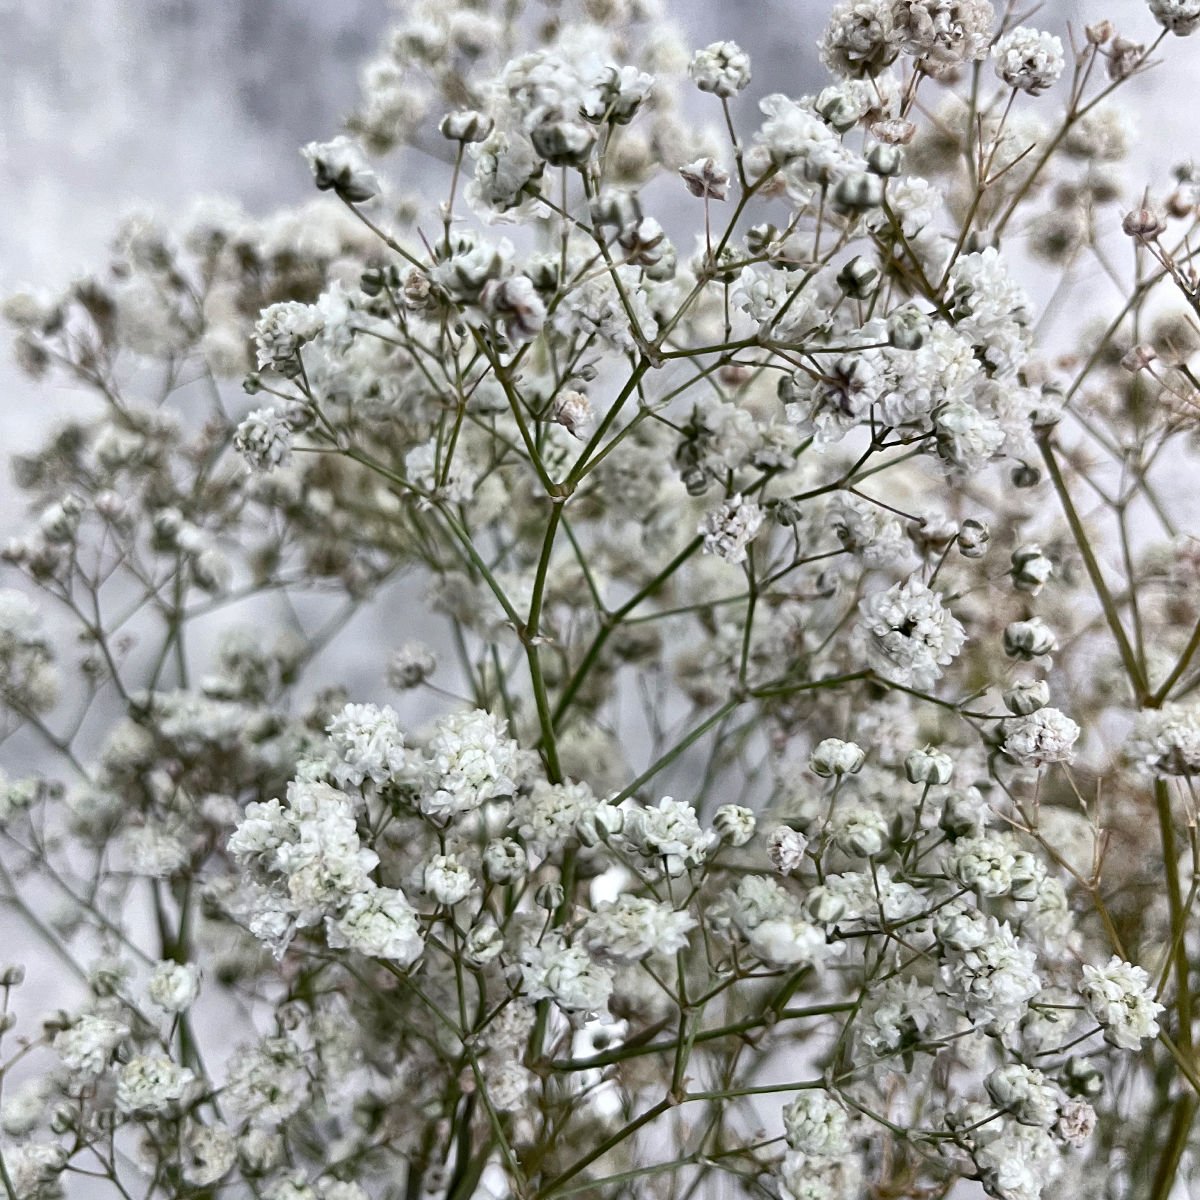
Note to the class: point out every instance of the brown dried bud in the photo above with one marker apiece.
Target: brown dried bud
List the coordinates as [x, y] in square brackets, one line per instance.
[894, 132]
[1099, 33]
[1144, 224]
[1124, 57]
[1138, 358]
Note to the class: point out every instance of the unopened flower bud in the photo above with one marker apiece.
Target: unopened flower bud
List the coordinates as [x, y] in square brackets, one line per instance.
[832, 756]
[503, 861]
[858, 192]
[549, 896]
[907, 328]
[1082, 1078]
[894, 132]
[1025, 475]
[861, 834]
[1099, 33]
[12, 976]
[1030, 569]
[928, 766]
[466, 126]
[1026, 696]
[1029, 639]
[973, 538]
[483, 944]
[825, 907]
[1027, 875]
[410, 666]
[886, 160]
[838, 109]
[858, 278]
[1138, 358]
[1143, 224]
[706, 178]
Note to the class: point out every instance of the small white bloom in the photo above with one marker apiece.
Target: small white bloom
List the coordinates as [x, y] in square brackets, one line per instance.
[340, 165]
[815, 1123]
[1119, 996]
[151, 1083]
[264, 439]
[379, 923]
[1029, 59]
[722, 68]
[174, 986]
[729, 529]
[910, 636]
[1043, 736]
[447, 880]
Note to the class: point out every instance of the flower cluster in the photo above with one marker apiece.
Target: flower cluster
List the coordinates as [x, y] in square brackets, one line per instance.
[806, 717]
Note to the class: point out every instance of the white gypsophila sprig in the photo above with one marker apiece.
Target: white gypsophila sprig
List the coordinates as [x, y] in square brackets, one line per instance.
[909, 635]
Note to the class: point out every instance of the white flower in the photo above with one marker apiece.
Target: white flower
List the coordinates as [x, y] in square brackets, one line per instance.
[369, 743]
[1028, 59]
[1120, 998]
[515, 305]
[88, 1044]
[722, 68]
[447, 880]
[568, 975]
[206, 1153]
[264, 439]
[1166, 741]
[268, 1083]
[632, 927]
[995, 980]
[1025, 1093]
[860, 37]
[379, 923]
[944, 33]
[729, 529]
[909, 635]
[786, 849]
[1180, 17]
[174, 986]
[410, 665]
[983, 863]
[280, 332]
[815, 1123]
[1043, 736]
[470, 759]
[340, 165]
[151, 1083]
[548, 815]
[669, 833]
[832, 756]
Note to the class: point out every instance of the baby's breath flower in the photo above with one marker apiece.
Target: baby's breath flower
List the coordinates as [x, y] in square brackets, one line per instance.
[1028, 59]
[264, 439]
[340, 165]
[174, 986]
[1120, 997]
[1181, 17]
[1043, 736]
[151, 1083]
[910, 636]
[832, 756]
[722, 68]
[729, 529]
